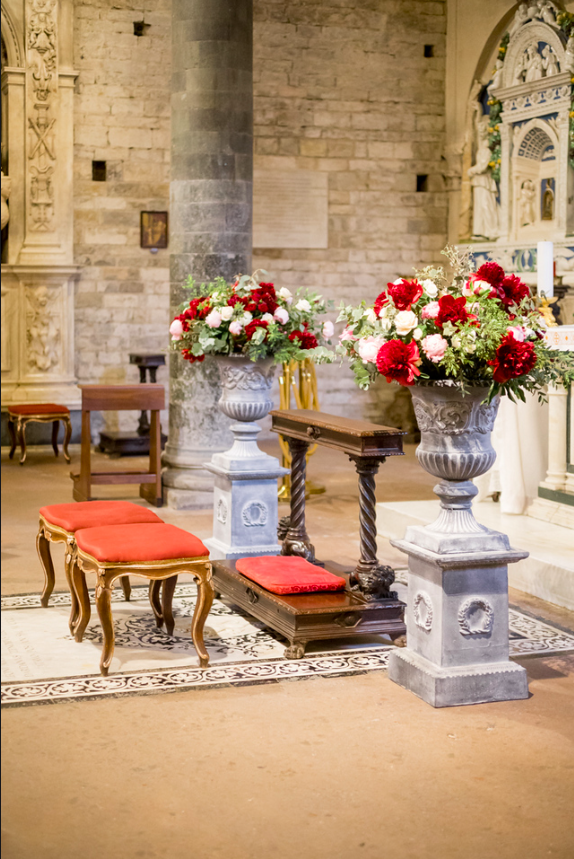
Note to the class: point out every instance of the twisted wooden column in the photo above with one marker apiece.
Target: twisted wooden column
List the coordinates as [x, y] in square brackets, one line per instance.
[369, 577]
[293, 532]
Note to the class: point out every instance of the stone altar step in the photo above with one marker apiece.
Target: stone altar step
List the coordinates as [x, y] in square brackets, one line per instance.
[548, 573]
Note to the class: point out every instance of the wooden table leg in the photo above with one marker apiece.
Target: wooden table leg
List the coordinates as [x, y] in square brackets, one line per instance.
[67, 437]
[372, 579]
[104, 606]
[166, 603]
[13, 441]
[21, 430]
[81, 589]
[155, 601]
[296, 541]
[43, 549]
[55, 430]
[202, 607]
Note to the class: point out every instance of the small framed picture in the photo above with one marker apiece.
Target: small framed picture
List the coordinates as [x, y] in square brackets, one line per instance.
[153, 230]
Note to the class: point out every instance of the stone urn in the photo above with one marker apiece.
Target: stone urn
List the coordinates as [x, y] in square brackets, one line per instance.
[245, 510]
[457, 603]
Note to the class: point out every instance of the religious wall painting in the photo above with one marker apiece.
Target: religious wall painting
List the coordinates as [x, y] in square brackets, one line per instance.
[153, 230]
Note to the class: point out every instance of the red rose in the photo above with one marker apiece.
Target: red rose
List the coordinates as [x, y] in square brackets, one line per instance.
[190, 357]
[490, 272]
[380, 302]
[512, 359]
[252, 326]
[405, 293]
[306, 339]
[398, 360]
[451, 310]
[511, 291]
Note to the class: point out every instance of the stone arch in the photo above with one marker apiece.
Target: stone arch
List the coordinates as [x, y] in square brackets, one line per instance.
[530, 34]
[12, 40]
[532, 139]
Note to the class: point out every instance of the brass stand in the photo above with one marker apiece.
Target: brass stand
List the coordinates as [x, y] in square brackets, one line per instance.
[305, 395]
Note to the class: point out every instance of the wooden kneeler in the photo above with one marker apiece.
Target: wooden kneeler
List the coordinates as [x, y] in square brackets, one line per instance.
[120, 398]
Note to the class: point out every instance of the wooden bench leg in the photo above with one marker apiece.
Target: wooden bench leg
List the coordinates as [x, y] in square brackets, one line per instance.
[67, 437]
[13, 441]
[81, 589]
[202, 607]
[155, 601]
[75, 605]
[126, 587]
[55, 430]
[43, 549]
[21, 430]
[166, 603]
[104, 606]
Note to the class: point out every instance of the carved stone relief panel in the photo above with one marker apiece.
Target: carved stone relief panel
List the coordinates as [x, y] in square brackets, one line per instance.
[43, 327]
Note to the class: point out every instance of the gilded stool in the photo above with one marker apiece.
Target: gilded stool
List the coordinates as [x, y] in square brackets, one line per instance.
[19, 416]
[159, 553]
[59, 523]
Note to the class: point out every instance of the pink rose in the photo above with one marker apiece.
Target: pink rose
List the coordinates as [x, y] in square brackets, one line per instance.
[368, 348]
[236, 328]
[281, 315]
[213, 319]
[430, 310]
[434, 347]
[176, 329]
[347, 335]
[328, 329]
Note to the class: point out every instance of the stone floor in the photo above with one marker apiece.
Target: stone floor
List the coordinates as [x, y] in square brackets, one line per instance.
[352, 767]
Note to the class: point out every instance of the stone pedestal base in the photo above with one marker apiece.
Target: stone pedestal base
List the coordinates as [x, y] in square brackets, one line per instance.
[451, 687]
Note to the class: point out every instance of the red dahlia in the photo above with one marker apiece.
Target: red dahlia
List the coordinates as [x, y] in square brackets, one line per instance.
[512, 359]
[452, 310]
[305, 338]
[405, 293]
[511, 291]
[490, 272]
[398, 360]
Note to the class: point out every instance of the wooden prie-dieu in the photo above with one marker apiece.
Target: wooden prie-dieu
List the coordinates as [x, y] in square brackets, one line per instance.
[367, 606]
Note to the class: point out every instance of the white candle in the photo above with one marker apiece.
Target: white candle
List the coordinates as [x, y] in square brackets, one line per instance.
[545, 266]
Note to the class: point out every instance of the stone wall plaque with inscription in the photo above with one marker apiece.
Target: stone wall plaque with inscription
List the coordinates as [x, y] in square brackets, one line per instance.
[290, 209]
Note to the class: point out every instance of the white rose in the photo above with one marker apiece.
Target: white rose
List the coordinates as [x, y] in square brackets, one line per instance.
[303, 305]
[386, 324]
[226, 313]
[430, 288]
[236, 327]
[417, 334]
[213, 319]
[405, 321]
[456, 341]
[247, 317]
[267, 317]
[370, 315]
[285, 294]
[328, 329]
[281, 315]
[368, 348]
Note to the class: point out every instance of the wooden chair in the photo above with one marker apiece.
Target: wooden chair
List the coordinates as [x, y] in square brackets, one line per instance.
[121, 398]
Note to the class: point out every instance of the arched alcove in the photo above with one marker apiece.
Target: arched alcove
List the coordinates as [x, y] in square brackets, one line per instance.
[534, 185]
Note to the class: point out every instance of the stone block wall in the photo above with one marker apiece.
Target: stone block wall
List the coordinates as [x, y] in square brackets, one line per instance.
[345, 88]
[341, 87]
[122, 117]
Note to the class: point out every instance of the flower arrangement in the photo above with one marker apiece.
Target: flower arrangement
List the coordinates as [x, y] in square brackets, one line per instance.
[250, 317]
[476, 328]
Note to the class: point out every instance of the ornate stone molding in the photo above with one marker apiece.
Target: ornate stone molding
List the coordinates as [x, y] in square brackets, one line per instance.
[246, 379]
[43, 327]
[475, 617]
[254, 514]
[455, 418]
[423, 610]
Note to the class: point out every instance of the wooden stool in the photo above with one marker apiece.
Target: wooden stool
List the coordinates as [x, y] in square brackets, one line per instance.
[41, 413]
[157, 553]
[59, 523]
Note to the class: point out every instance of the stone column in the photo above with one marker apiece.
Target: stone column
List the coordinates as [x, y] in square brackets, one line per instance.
[211, 213]
[557, 428]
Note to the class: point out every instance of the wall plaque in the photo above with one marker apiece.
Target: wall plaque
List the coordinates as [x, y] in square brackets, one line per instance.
[290, 209]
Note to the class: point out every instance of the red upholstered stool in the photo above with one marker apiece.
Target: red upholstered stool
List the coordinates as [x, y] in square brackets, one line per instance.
[59, 523]
[157, 553]
[19, 416]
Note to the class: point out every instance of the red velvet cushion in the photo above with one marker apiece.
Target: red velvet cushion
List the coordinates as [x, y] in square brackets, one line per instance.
[283, 574]
[38, 409]
[125, 543]
[90, 514]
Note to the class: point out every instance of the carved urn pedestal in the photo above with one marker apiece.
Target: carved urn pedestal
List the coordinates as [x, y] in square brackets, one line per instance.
[457, 605]
[245, 511]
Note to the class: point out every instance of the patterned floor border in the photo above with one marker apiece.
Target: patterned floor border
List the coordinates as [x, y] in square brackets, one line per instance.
[529, 636]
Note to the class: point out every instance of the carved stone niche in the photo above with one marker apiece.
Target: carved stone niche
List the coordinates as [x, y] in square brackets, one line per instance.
[38, 335]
